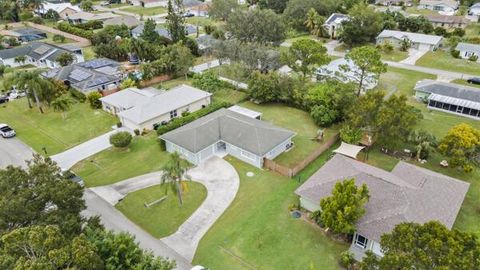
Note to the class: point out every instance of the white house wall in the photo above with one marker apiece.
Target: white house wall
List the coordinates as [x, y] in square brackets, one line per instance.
[279, 149]
[172, 148]
[237, 152]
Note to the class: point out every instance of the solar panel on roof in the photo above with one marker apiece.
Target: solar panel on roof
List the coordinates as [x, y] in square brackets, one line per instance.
[42, 49]
[96, 63]
[98, 81]
[79, 75]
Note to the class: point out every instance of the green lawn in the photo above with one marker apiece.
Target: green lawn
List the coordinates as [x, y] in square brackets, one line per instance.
[233, 72]
[49, 39]
[200, 21]
[258, 232]
[50, 130]
[443, 60]
[464, 82]
[112, 165]
[164, 218]
[395, 56]
[472, 30]
[146, 11]
[297, 121]
[414, 10]
[229, 95]
[402, 80]
[88, 53]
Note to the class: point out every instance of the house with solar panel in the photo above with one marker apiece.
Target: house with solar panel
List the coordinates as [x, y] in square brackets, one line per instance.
[449, 97]
[39, 54]
[95, 75]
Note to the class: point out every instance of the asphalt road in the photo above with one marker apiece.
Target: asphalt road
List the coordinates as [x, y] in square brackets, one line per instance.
[14, 152]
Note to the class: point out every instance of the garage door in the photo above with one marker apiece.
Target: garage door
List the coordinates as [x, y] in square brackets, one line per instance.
[424, 47]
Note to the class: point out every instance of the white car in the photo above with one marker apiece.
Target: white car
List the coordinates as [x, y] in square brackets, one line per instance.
[6, 131]
[14, 94]
[199, 267]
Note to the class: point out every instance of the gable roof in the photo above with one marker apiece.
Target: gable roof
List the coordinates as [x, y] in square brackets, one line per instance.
[87, 75]
[438, 18]
[252, 135]
[129, 21]
[407, 194]
[163, 103]
[469, 47]
[58, 7]
[137, 31]
[87, 16]
[449, 89]
[35, 50]
[449, 3]
[336, 18]
[414, 37]
[130, 97]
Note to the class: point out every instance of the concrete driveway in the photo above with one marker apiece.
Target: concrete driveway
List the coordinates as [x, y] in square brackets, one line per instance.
[14, 152]
[222, 183]
[70, 157]
[413, 56]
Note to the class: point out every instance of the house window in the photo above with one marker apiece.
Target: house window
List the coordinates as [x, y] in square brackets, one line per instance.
[248, 155]
[361, 241]
[173, 114]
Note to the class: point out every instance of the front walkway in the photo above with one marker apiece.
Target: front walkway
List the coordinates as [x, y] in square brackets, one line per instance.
[222, 183]
[413, 56]
[70, 157]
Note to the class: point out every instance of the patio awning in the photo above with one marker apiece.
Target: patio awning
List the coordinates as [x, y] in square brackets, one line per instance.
[349, 150]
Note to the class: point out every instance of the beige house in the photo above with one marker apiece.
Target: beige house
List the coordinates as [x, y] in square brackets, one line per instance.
[63, 9]
[447, 22]
[146, 108]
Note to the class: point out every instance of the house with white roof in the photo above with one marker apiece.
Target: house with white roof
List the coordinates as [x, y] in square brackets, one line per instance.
[421, 42]
[334, 23]
[445, 7]
[467, 50]
[84, 17]
[147, 108]
[474, 9]
[63, 9]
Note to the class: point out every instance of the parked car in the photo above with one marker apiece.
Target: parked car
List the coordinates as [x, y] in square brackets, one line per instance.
[6, 131]
[14, 94]
[3, 99]
[474, 80]
[105, 3]
[188, 15]
[73, 177]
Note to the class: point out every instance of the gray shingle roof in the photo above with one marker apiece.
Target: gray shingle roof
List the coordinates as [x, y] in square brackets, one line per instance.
[255, 136]
[449, 89]
[468, 47]
[35, 50]
[414, 37]
[336, 18]
[407, 194]
[129, 21]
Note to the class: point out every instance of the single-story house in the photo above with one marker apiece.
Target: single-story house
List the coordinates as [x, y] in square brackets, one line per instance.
[468, 49]
[406, 194]
[129, 21]
[39, 54]
[228, 132]
[160, 108]
[447, 7]
[474, 9]
[446, 21]
[27, 34]
[334, 23]
[149, 3]
[128, 98]
[449, 97]
[83, 17]
[94, 75]
[197, 8]
[163, 32]
[336, 70]
[418, 41]
[63, 9]
[407, 3]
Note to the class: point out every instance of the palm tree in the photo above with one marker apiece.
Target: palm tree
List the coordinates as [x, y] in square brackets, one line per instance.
[62, 104]
[20, 59]
[32, 83]
[318, 29]
[174, 173]
[310, 22]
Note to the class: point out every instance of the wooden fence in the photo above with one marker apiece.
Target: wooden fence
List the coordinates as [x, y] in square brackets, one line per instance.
[155, 80]
[291, 172]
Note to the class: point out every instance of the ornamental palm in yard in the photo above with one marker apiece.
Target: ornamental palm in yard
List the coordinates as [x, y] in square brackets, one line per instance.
[33, 84]
[62, 104]
[174, 174]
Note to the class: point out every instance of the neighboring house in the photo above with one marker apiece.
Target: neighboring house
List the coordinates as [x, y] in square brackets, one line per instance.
[129, 21]
[163, 32]
[206, 43]
[467, 49]
[227, 132]
[335, 70]
[447, 7]
[161, 108]
[95, 75]
[474, 9]
[149, 3]
[128, 98]
[445, 21]
[197, 8]
[449, 97]
[63, 9]
[39, 54]
[84, 17]
[27, 34]
[407, 3]
[420, 42]
[334, 23]
[406, 194]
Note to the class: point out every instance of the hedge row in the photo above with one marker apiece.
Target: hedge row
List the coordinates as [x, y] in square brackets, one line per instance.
[66, 27]
[178, 122]
[78, 95]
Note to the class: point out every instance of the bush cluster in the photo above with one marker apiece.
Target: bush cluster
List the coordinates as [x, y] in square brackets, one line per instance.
[66, 27]
[90, 25]
[178, 122]
[78, 95]
[121, 139]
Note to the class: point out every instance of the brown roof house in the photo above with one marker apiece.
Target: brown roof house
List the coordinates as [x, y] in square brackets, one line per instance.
[446, 21]
[406, 194]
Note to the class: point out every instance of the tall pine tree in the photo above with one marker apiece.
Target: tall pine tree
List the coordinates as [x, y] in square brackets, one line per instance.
[175, 21]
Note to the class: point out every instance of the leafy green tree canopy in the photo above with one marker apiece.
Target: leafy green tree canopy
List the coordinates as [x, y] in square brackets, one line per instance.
[305, 56]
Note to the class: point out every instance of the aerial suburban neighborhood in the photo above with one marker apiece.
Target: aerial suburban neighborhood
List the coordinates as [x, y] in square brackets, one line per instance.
[239, 134]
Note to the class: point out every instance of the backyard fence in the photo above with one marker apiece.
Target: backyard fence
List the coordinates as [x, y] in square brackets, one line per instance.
[155, 80]
[291, 172]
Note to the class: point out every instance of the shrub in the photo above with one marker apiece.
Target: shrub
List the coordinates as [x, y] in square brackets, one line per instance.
[37, 20]
[162, 144]
[94, 100]
[209, 29]
[121, 139]
[119, 124]
[346, 259]
[473, 58]
[66, 27]
[316, 216]
[136, 131]
[459, 32]
[58, 38]
[78, 95]
[455, 53]
[178, 122]
[207, 81]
